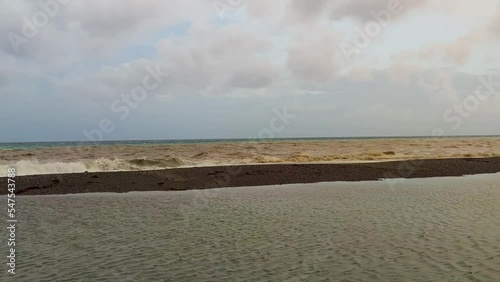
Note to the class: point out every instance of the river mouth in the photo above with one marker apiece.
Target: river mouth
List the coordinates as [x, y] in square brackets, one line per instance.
[421, 230]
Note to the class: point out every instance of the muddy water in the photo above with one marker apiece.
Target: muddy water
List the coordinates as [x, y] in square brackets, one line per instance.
[159, 156]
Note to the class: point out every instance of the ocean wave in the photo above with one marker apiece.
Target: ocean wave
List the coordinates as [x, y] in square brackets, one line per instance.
[149, 157]
[34, 166]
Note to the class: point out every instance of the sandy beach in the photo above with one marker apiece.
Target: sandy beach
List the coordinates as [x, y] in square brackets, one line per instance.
[435, 229]
[248, 175]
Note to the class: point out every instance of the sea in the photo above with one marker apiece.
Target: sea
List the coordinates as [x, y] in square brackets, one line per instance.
[74, 157]
[58, 144]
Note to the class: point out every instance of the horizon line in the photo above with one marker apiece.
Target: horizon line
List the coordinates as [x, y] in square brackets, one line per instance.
[257, 139]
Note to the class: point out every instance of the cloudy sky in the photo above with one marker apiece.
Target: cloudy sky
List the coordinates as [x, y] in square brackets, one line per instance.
[156, 69]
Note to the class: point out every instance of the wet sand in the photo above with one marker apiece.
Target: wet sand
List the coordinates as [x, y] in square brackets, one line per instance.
[436, 229]
[247, 175]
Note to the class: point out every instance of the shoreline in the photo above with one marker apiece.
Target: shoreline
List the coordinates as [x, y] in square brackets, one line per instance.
[195, 178]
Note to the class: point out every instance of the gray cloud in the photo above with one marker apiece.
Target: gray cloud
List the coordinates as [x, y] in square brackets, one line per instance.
[256, 74]
[307, 11]
[363, 9]
[314, 54]
[113, 17]
[241, 67]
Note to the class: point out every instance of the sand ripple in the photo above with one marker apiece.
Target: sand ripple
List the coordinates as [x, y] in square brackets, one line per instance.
[424, 230]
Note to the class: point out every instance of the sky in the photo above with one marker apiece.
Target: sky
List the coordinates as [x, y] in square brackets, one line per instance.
[199, 69]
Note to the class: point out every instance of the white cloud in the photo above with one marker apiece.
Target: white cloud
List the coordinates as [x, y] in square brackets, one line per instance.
[92, 52]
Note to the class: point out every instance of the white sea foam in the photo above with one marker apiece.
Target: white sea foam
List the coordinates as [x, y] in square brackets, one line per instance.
[32, 167]
[45, 160]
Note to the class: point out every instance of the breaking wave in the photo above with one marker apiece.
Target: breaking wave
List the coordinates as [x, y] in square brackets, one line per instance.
[32, 167]
[48, 160]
